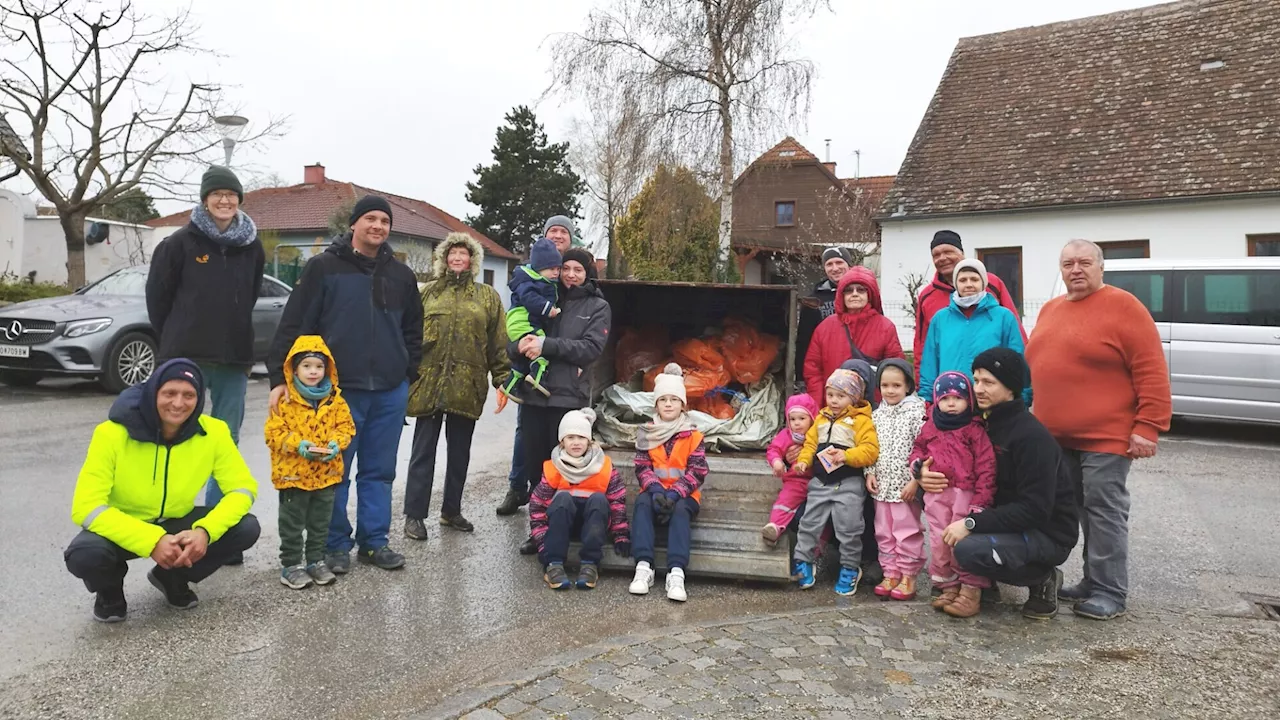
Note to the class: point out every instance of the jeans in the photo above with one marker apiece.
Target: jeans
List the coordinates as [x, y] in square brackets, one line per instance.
[541, 431]
[379, 418]
[568, 516]
[1102, 499]
[515, 479]
[840, 503]
[102, 564]
[309, 512]
[227, 385]
[1023, 559]
[679, 531]
[422, 464]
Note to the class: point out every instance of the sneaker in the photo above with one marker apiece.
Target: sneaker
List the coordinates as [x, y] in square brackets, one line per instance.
[675, 585]
[176, 591]
[109, 606]
[643, 580]
[384, 557]
[555, 577]
[339, 562]
[770, 533]
[1042, 603]
[295, 577]
[1099, 608]
[321, 573]
[529, 547]
[588, 576]
[415, 528]
[457, 522]
[804, 574]
[847, 584]
[1079, 592]
[512, 503]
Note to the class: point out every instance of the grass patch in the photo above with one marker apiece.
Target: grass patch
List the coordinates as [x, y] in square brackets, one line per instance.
[23, 291]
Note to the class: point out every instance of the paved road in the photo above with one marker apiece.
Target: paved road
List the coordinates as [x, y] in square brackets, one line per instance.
[467, 610]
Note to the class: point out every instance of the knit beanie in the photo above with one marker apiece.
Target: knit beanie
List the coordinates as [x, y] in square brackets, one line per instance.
[179, 369]
[907, 371]
[583, 257]
[368, 204]
[837, 252]
[1008, 366]
[544, 255]
[847, 382]
[946, 237]
[970, 264]
[297, 359]
[953, 383]
[563, 221]
[802, 401]
[577, 422]
[670, 382]
[220, 178]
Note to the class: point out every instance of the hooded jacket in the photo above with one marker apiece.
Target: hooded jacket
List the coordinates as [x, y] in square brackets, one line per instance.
[937, 295]
[371, 321]
[201, 295]
[575, 339]
[850, 430]
[783, 441]
[464, 338]
[132, 478]
[956, 339]
[873, 334]
[298, 420]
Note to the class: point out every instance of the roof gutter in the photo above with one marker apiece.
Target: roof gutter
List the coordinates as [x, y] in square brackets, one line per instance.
[1260, 195]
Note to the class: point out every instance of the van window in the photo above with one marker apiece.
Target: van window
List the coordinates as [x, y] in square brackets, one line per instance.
[1231, 297]
[1149, 286]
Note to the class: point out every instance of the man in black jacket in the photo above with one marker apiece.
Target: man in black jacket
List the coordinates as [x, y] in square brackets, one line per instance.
[1033, 526]
[836, 261]
[366, 306]
[201, 289]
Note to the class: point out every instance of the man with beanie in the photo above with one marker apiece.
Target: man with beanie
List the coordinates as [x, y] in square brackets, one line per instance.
[533, 303]
[365, 304]
[836, 261]
[1102, 338]
[1031, 529]
[201, 290]
[948, 250]
[561, 230]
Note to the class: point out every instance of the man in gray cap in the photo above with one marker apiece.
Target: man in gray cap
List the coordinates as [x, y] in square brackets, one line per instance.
[560, 230]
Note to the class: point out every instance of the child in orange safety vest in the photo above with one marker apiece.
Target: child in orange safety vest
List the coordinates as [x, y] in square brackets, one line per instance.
[580, 493]
[671, 466]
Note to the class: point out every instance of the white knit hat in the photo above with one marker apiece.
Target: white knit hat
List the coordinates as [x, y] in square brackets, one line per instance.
[577, 422]
[670, 382]
[970, 264]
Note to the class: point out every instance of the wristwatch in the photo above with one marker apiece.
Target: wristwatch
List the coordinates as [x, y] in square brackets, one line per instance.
[969, 523]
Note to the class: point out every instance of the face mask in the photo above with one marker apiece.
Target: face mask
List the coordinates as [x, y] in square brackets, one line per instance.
[971, 301]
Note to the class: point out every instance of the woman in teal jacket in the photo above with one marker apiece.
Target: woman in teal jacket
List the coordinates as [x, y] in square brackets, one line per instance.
[974, 321]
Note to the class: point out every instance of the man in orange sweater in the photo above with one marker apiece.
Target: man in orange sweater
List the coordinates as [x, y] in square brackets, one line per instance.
[1101, 387]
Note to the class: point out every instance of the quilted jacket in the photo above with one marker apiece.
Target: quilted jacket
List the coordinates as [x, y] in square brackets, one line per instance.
[297, 420]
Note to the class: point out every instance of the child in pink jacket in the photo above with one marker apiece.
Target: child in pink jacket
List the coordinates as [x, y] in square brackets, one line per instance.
[801, 410]
[955, 443]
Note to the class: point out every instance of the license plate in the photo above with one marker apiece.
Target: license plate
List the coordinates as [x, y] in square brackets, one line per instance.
[16, 351]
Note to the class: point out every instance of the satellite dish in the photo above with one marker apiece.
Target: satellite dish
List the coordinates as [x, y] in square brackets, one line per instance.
[98, 232]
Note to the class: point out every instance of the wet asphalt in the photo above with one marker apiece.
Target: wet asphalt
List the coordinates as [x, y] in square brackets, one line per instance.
[467, 608]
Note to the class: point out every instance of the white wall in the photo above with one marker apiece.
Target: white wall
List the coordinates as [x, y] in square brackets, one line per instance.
[501, 276]
[1199, 229]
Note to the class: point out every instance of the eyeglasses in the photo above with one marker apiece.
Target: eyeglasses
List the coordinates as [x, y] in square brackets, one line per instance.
[860, 289]
[223, 196]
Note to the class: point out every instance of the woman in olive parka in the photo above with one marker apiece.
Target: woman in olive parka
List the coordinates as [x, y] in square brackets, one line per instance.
[464, 343]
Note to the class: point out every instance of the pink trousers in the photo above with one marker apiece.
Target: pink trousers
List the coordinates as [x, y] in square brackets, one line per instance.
[900, 538]
[790, 498]
[942, 509]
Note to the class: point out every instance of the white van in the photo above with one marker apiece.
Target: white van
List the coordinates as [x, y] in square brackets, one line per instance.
[1219, 321]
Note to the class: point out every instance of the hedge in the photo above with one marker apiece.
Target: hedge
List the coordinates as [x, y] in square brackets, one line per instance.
[23, 291]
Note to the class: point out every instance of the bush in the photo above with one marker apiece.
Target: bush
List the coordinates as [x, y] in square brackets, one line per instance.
[23, 291]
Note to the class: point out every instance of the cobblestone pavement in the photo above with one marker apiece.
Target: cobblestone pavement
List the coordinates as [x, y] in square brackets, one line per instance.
[873, 659]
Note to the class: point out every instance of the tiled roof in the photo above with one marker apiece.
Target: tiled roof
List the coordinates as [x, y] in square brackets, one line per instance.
[1169, 101]
[876, 187]
[307, 207]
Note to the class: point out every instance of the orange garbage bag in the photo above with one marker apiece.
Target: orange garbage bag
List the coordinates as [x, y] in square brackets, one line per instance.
[703, 367]
[640, 349]
[714, 405]
[748, 353]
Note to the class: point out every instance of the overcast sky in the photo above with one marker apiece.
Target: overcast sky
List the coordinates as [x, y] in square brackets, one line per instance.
[405, 96]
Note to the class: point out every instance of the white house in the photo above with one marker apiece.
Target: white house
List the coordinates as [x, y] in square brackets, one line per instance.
[1154, 132]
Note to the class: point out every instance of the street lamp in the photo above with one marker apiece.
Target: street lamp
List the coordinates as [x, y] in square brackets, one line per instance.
[230, 127]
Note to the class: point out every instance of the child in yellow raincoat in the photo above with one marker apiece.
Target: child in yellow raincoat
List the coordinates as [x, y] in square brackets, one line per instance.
[307, 436]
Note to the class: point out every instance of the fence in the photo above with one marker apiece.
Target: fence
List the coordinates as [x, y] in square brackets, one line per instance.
[288, 272]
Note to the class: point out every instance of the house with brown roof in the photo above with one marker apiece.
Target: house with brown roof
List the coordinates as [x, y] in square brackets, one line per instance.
[299, 216]
[788, 205]
[1154, 132]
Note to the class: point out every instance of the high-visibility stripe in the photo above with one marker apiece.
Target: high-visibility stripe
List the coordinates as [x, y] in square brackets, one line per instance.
[88, 519]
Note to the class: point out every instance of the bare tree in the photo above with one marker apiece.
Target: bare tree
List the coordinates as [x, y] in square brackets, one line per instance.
[912, 282]
[82, 81]
[842, 216]
[710, 76]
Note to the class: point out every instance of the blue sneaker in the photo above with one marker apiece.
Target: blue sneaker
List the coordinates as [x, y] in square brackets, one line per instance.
[804, 574]
[848, 582]
[555, 577]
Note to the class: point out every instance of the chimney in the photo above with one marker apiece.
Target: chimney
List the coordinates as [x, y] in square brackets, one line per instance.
[830, 166]
[313, 174]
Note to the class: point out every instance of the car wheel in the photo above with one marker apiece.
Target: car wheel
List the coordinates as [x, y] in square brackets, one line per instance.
[19, 378]
[130, 361]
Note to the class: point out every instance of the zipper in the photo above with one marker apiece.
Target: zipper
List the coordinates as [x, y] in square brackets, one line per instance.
[164, 494]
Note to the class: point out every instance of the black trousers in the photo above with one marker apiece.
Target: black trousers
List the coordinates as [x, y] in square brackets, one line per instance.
[1023, 559]
[422, 464]
[540, 429]
[102, 564]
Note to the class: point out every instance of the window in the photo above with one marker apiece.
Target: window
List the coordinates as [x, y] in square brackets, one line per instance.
[1264, 245]
[1006, 264]
[272, 288]
[130, 281]
[784, 213]
[1231, 297]
[488, 278]
[1149, 286]
[1125, 249]
[786, 153]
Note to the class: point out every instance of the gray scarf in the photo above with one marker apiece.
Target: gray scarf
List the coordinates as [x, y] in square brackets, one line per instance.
[656, 433]
[239, 233]
[971, 301]
[575, 470]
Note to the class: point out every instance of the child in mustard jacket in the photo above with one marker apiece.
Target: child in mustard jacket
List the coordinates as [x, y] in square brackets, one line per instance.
[307, 436]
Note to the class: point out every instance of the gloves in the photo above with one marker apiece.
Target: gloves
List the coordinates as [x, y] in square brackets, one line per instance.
[334, 451]
[663, 506]
[304, 448]
[622, 548]
[656, 489]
